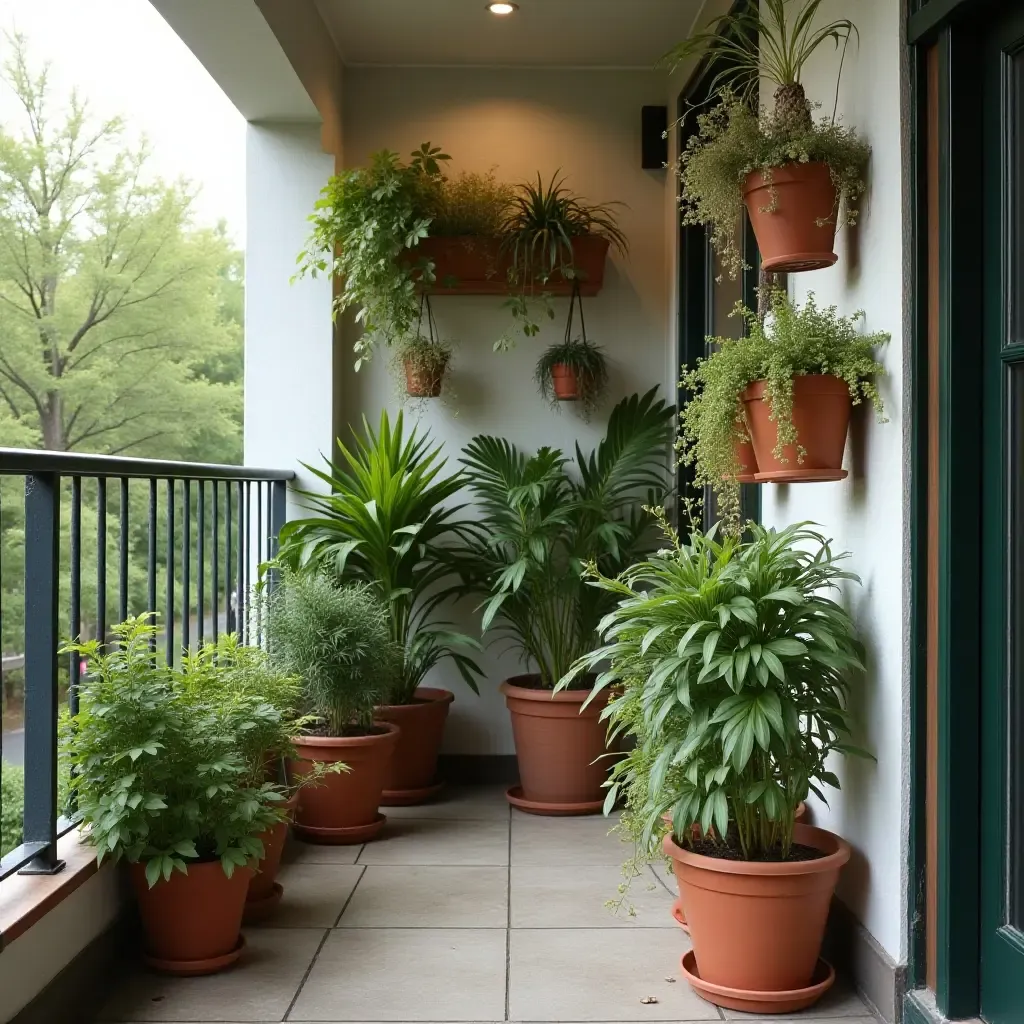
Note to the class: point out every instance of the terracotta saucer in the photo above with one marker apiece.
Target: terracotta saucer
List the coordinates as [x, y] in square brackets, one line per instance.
[514, 795]
[801, 476]
[410, 797]
[677, 915]
[341, 836]
[259, 910]
[760, 1002]
[193, 968]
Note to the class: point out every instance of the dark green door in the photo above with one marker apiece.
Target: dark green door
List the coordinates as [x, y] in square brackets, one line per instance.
[1002, 676]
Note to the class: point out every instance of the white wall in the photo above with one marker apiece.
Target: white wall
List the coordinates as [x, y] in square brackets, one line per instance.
[520, 121]
[866, 514]
[289, 336]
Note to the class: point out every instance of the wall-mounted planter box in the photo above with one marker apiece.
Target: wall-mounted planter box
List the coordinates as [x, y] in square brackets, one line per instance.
[477, 266]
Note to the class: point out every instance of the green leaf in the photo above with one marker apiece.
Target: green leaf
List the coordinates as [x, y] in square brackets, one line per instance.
[710, 644]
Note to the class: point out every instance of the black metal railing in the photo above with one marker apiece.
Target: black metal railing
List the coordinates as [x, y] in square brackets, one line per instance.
[218, 523]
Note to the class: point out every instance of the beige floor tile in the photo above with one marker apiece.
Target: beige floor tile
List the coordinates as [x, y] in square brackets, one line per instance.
[565, 842]
[298, 852]
[840, 1001]
[576, 897]
[314, 894]
[594, 975]
[466, 803]
[259, 988]
[429, 897]
[394, 974]
[440, 842]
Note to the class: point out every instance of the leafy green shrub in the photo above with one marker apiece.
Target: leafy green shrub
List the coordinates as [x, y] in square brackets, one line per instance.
[734, 669]
[12, 806]
[336, 639]
[792, 342]
[466, 205]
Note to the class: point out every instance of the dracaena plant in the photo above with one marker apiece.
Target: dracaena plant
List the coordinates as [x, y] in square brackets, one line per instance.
[734, 664]
[160, 771]
[543, 517]
[388, 521]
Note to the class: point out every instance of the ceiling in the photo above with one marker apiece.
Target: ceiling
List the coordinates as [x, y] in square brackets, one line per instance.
[542, 33]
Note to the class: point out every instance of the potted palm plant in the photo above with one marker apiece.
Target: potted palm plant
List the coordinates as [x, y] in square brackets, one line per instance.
[737, 663]
[779, 398]
[335, 638]
[387, 520]
[539, 524]
[796, 177]
[160, 779]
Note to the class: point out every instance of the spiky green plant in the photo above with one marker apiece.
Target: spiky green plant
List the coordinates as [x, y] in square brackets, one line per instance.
[586, 360]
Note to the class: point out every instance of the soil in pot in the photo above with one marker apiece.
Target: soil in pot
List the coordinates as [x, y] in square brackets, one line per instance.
[793, 216]
[192, 922]
[562, 750]
[563, 380]
[821, 416]
[342, 808]
[412, 775]
[757, 926]
[424, 381]
[264, 890]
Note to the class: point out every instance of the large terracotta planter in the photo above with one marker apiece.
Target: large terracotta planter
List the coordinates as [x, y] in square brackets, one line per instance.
[479, 266]
[412, 775]
[192, 922]
[424, 381]
[565, 383]
[747, 461]
[821, 416]
[561, 748]
[342, 809]
[757, 927]
[793, 216]
[265, 890]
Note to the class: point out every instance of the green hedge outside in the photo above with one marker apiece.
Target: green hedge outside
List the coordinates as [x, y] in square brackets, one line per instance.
[12, 806]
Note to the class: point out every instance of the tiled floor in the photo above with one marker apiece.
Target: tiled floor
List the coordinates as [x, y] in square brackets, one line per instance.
[461, 911]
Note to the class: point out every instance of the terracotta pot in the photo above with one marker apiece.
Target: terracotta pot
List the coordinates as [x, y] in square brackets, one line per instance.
[412, 775]
[793, 216]
[678, 914]
[264, 889]
[562, 750]
[479, 266]
[756, 927]
[747, 461]
[342, 809]
[821, 416]
[563, 379]
[424, 381]
[192, 922]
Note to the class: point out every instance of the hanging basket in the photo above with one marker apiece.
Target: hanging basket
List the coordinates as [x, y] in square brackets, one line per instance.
[425, 379]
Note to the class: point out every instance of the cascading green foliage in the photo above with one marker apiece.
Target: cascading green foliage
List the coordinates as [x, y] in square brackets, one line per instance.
[734, 668]
[588, 362]
[387, 521]
[793, 341]
[540, 524]
[160, 770]
[335, 638]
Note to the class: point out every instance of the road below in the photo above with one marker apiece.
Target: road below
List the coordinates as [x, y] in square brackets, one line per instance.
[13, 744]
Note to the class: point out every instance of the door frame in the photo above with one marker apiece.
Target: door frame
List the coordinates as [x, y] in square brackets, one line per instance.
[953, 28]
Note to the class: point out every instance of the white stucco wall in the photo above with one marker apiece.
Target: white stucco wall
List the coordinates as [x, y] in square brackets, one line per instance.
[866, 514]
[289, 336]
[518, 122]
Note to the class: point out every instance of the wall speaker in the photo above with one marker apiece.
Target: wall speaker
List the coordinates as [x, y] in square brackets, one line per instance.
[654, 144]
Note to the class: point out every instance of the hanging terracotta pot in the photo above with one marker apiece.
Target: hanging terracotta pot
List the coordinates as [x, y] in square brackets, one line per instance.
[678, 914]
[747, 461]
[561, 748]
[424, 381]
[192, 922]
[563, 379]
[821, 416]
[793, 216]
[757, 927]
[412, 775]
[265, 890]
[341, 809]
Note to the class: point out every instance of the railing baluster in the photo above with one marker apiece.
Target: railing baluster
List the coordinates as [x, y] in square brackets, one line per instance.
[231, 626]
[42, 640]
[169, 624]
[186, 563]
[101, 560]
[151, 556]
[259, 557]
[215, 602]
[75, 625]
[243, 543]
[123, 567]
[200, 566]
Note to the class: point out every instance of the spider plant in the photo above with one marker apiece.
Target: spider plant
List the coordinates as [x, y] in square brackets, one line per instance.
[385, 522]
[587, 362]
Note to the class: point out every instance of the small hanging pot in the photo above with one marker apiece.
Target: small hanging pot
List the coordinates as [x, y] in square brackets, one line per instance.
[425, 381]
[564, 379]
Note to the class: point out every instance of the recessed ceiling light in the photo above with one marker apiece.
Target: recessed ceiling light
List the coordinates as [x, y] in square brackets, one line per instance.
[503, 8]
